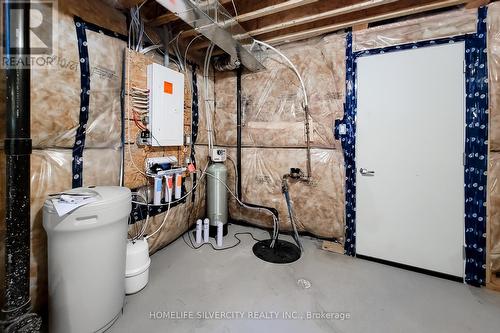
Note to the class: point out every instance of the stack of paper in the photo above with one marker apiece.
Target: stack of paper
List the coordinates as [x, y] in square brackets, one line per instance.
[66, 203]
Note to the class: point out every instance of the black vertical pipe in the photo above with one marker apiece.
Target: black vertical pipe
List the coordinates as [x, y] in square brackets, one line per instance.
[238, 129]
[17, 149]
[122, 112]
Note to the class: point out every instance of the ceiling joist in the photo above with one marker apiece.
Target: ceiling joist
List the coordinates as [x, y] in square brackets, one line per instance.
[163, 19]
[273, 9]
[320, 16]
[343, 25]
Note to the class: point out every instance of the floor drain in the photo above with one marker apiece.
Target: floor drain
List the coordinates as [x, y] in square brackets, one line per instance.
[306, 284]
[283, 252]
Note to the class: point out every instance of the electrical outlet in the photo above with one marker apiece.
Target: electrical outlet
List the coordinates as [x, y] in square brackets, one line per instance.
[143, 138]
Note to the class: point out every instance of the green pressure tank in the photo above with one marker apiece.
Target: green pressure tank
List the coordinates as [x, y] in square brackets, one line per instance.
[217, 197]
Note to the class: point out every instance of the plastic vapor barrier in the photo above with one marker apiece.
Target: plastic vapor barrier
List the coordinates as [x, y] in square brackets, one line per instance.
[494, 214]
[262, 170]
[56, 93]
[272, 103]
[494, 134]
[494, 73]
[451, 23]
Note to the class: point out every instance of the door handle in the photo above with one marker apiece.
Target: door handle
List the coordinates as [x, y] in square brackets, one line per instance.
[365, 172]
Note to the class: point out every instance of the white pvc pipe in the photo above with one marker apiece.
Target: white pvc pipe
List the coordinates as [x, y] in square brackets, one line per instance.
[306, 102]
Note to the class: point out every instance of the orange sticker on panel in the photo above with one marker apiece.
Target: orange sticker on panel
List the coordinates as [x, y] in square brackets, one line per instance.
[168, 87]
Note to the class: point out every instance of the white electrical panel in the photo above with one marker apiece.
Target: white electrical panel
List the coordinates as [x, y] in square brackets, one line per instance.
[166, 106]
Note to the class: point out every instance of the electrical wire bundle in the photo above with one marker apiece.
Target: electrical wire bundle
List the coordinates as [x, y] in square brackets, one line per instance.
[140, 106]
[136, 29]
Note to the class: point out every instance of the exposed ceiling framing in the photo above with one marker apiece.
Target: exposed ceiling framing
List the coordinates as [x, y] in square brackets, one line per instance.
[281, 21]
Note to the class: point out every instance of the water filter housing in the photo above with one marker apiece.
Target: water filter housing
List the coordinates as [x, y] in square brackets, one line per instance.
[137, 266]
[217, 210]
[205, 231]
[199, 227]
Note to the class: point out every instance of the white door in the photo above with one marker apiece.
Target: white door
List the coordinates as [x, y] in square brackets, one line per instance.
[410, 133]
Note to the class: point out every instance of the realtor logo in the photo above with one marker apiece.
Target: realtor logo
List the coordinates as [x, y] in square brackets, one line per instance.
[42, 32]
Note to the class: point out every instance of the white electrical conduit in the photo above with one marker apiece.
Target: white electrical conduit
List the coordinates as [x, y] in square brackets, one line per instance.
[306, 101]
[176, 49]
[151, 48]
[208, 108]
[187, 48]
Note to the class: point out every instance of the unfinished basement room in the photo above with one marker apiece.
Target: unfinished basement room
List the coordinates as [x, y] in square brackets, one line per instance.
[284, 166]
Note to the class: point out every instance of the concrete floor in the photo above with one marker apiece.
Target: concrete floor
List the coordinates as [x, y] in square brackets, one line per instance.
[377, 298]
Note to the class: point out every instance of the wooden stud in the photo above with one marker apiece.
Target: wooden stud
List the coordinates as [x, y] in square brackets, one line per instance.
[476, 3]
[494, 283]
[359, 27]
[333, 247]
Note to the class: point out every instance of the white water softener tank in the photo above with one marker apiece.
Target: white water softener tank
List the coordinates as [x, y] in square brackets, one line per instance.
[217, 197]
[86, 260]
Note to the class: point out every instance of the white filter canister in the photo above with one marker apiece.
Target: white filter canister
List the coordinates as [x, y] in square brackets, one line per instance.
[198, 231]
[169, 187]
[205, 230]
[219, 233]
[158, 190]
[178, 185]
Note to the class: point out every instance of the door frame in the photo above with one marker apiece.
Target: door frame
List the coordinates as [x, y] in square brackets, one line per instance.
[449, 53]
[476, 143]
